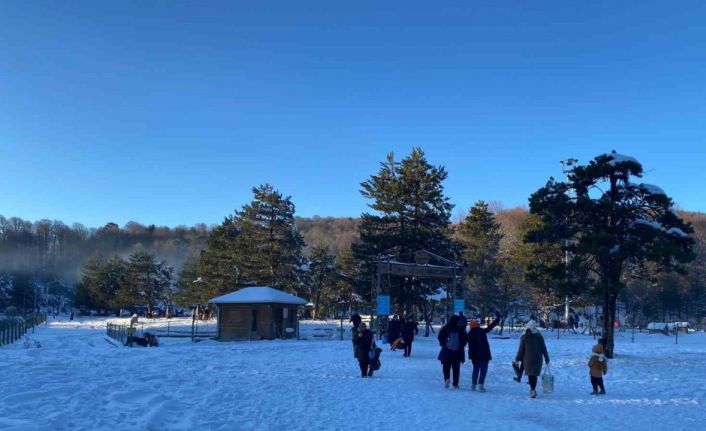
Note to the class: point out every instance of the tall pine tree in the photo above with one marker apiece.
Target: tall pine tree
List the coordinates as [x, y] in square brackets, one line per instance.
[322, 279]
[480, 236]
[259, 245]
[609, 225]
[149, 281]
[410, 213]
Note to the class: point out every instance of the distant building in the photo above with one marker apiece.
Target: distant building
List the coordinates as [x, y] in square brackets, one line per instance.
[255, 313]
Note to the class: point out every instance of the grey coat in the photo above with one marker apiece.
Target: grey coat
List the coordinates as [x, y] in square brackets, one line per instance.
[531, 350]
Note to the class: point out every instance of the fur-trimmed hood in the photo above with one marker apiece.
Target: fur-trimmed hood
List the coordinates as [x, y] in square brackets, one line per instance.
[597, 351]
[599, 356]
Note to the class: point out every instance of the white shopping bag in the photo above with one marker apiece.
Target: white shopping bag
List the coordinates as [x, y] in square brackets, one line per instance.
[547, 381]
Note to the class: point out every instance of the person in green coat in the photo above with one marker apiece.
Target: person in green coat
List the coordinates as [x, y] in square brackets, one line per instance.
[530, 353]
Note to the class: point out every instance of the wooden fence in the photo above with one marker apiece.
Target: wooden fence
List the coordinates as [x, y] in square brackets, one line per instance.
[14, 328]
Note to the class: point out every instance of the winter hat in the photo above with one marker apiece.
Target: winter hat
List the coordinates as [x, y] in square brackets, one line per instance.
[532, 326]
[453, 321]
[598, 349]
[474, 324]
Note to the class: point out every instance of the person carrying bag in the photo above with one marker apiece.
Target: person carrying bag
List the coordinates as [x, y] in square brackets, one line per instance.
[530, 352]
[366, 351]
[452, 340]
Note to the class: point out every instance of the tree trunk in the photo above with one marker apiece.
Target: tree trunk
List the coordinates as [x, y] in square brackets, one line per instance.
[609, 305]
[428, 317]
[316, 306]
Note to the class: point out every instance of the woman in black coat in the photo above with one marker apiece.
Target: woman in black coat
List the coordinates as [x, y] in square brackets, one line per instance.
[409, 329]
[479, 352]
[366, 344]
[452, 339]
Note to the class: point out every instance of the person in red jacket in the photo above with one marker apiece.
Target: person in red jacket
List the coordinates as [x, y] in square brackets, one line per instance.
[479, 352]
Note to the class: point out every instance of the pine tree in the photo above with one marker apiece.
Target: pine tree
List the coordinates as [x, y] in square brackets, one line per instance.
[220, 265]
[148, 280]
[352, 286]
[6, 285]
[187, 289]
[610, 225]
[103, 283]
[259, 245]
[410, 214]
[480, 236]
[322, 278]
[270, 241]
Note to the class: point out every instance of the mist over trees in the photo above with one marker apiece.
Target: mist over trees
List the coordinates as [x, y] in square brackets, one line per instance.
[258, 245]
[41, 262]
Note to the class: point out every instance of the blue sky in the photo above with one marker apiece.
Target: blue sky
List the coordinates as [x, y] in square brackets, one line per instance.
[169, 112]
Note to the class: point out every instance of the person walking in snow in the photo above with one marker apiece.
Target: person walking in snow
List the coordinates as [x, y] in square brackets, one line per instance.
[479, 352]
[462, 321]
[598, 366]
[452, 339]
[530, 353]
[394, 332]
[355, 319]
[366, 345]
[409, 329]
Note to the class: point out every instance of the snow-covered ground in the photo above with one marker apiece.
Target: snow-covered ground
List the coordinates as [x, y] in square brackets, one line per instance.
[79, 381]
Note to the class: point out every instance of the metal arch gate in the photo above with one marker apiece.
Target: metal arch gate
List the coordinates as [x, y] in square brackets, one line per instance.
[420, 269]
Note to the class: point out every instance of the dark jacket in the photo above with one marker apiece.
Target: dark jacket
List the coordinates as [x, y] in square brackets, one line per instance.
[463, 322]
[446, 355]
[355, 336]
[478, 347]
[409, 329]
[394, 330]
[365, 344]
[530, 352]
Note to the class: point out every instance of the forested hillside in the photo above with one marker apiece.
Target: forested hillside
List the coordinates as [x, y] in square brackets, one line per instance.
[45, 253]
[337, 233]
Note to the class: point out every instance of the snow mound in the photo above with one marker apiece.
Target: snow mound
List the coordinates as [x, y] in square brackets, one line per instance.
[620, 158]
[651, 223]
[438, 296]
[652, 189]
[676, 231]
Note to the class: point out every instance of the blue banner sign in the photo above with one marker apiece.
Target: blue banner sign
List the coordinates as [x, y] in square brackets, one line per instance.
[459, 305]
[383, 305]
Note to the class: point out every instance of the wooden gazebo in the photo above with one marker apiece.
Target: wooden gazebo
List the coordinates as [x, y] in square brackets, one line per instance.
[255, 313]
